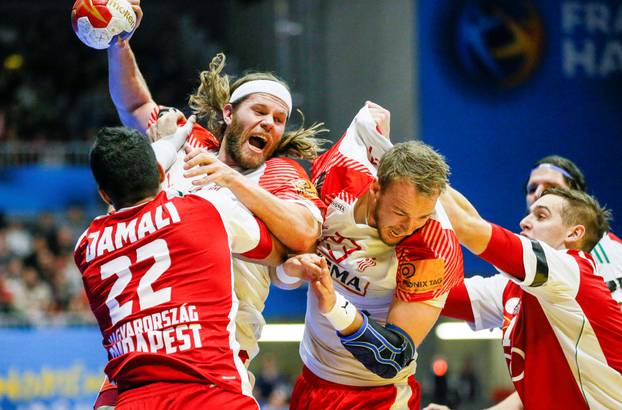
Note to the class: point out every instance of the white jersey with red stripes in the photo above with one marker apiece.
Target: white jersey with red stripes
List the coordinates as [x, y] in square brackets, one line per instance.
[608, 256]
[369, 273]
[159, 279]
[282, 177]
[562, 331]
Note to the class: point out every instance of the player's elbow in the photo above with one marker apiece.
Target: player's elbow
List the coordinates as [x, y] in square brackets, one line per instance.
[384, 351]
[302, 240]
[386, 372]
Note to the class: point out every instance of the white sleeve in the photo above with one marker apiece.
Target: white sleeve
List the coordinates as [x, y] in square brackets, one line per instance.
[166, 148]
[549, 273]
[486, 296]
[244, 230]
[608, 257]
[363, 142]
[165, 153]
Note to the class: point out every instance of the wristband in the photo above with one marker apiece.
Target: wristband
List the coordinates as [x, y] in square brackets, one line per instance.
[284, 277]
[342, 314]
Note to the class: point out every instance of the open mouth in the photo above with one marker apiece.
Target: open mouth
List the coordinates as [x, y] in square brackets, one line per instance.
[257, 142]
[395, 234]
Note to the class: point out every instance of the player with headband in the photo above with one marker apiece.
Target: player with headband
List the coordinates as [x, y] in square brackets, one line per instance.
[554, 171]
[243, 146]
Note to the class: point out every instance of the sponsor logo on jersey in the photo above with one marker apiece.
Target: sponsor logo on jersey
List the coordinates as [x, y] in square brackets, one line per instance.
[420, 276]
[349, 280]
[338, 205]
[337, 247]
[365, 263]
[169, 331]
[515, 356]
[304, 188]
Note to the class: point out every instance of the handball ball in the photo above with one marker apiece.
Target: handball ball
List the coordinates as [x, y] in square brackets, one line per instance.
[97, 22]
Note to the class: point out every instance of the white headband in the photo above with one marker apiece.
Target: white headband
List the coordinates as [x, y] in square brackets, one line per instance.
[263, 86]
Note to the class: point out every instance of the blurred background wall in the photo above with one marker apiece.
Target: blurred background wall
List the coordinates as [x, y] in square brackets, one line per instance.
[494, 85]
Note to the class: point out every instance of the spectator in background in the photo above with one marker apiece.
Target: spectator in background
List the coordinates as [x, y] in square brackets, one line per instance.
[468, 385]
[554, 171]
[39, 286]
[18, 240]
[278, 400]
[270, 379]
[32, 298]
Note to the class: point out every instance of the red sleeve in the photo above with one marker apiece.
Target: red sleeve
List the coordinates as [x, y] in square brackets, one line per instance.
[264, 246]
[154, 114]
[345, 181]
[429, 263]
[458, 304]
[505, 251]
[199, 137]
[286, 179]
[333, 174]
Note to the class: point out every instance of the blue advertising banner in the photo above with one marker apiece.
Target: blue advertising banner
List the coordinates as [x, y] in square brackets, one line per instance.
[50, 368]
[503, 83]
[36, 188]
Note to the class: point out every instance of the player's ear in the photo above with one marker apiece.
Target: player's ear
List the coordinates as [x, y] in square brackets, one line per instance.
[574, 235]
[374, 189]
[104, 196]
[161, 172]
[227, 113]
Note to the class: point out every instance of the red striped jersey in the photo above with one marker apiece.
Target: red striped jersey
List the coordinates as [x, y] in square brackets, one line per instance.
[562, 331]
[369, 273]
[159, 279]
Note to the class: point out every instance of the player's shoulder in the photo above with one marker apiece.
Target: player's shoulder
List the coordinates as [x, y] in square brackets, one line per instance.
[613, 237]
[611, 242]
[79, 250]
[584, 260]
[284, 167]
[431, 237]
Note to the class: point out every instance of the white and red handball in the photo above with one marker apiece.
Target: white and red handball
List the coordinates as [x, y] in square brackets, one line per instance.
[97, 22]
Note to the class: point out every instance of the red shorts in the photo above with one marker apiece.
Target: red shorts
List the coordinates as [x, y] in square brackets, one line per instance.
[312, 392]
[183, 396]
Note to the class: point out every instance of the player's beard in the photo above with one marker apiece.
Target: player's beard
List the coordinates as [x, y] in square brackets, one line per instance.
[234, 138]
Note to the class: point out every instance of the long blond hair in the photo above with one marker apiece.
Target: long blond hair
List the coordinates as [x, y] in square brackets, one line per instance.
[214, 92]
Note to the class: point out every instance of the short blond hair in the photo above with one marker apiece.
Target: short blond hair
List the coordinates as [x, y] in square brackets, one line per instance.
[416, 163]
[580, 208]
[214, 92]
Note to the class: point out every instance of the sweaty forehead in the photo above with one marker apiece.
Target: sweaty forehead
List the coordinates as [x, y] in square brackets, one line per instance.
[547, 176]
